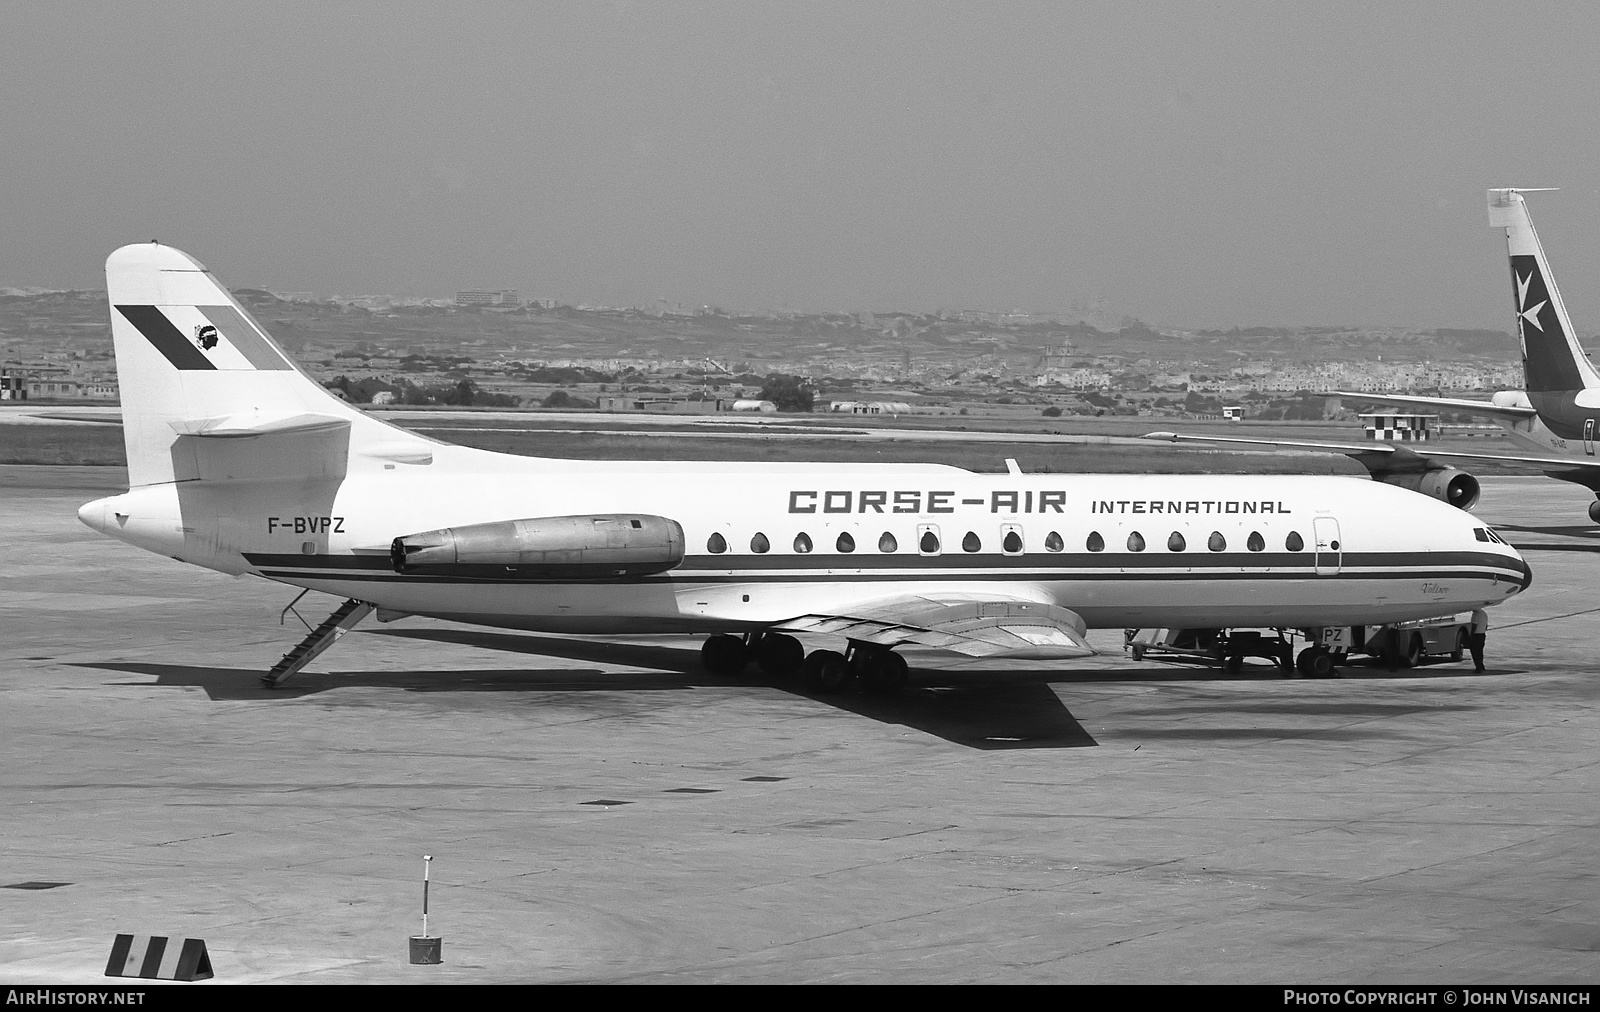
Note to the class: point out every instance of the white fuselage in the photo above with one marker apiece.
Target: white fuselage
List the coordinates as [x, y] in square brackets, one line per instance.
[1369, 553]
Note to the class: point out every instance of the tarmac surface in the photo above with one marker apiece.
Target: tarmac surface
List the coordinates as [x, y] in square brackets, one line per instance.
[602, 811]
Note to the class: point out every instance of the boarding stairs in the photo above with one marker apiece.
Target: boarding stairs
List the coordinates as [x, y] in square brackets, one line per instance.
[343, 619]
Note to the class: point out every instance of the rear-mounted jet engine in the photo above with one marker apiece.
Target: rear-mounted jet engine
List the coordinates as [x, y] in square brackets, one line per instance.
[611, 546]
[1458, 488]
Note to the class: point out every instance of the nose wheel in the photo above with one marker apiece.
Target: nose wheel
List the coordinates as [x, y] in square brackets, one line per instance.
[1315, 662]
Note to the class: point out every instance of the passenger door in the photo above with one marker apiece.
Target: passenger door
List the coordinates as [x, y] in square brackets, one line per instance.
[1325, 531]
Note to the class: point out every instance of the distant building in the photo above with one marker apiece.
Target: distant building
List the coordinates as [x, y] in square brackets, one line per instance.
[871, 407]
[57, 388]
[504, 297]
[13, 386]
[1399, 427]
[753, 405]
[664, 404]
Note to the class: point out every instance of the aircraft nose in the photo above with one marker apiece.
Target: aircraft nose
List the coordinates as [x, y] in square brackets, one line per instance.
[1522, 567]
[93, 514]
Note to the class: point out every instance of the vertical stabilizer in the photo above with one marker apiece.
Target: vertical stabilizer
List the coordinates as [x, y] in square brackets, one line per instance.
[1551, 356]
[204, 388]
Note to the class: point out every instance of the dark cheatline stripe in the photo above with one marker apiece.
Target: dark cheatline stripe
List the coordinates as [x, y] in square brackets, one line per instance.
[809, 568]
[1219, 561]
[250, 342]
[1005, 578]
[372, 570]
[159, 331]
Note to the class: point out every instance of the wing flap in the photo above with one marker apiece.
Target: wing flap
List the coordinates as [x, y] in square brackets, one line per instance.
[999, 628]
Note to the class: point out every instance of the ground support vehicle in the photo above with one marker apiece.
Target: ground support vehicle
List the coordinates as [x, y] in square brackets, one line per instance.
[1226, 648]
[1400, 645]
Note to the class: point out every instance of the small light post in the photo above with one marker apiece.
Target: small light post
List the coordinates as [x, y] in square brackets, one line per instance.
[425, 949]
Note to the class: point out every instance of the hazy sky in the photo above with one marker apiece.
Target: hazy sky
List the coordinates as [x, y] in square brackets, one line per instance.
[1195, 164]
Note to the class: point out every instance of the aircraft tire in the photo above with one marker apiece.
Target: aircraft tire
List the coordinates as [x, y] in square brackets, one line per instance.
[825, 672]
[1411, 656]
[724, 655]
[884, 672]
[1320, 663]
[779, 655]
[1461, 647]
[1594, 511]
[1302, 663]
[1233, 664]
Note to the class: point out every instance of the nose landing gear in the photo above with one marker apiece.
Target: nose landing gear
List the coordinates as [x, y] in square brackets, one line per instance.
[1315, 662]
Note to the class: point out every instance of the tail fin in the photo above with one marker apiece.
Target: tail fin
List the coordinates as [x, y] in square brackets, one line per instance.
[1552, 359]
[196, 372]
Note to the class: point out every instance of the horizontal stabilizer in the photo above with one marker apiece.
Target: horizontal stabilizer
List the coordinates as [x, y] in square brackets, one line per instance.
[400, 452]
[257, 423]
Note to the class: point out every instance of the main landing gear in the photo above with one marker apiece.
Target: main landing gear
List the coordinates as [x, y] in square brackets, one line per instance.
[876, 669]
[1594, 511]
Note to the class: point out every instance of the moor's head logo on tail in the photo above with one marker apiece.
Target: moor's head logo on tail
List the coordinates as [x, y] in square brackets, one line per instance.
[205, 336]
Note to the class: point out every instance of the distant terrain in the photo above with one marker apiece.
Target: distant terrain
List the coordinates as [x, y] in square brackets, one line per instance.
[418, 352]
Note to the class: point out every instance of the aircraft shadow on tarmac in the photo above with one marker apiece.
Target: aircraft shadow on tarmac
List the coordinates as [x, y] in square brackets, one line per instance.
[981, 709]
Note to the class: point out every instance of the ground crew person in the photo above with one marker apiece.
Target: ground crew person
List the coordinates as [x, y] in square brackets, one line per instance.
[1480, 632]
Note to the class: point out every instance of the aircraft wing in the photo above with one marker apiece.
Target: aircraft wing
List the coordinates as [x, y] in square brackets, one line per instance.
[1484, 408]
[994, 628]
[1374, 455]
[1387, 458]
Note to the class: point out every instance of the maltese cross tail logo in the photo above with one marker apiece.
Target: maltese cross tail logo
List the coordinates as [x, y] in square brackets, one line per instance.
[1529, 314]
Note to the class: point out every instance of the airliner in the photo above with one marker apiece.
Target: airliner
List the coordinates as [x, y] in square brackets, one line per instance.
[240, 462]
[1554, 416]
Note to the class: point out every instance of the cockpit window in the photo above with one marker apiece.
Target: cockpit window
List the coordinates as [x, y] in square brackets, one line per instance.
[1480, 533]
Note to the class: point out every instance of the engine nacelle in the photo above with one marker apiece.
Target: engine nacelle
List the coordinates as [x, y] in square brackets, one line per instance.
[610, 546]
[1458, 488]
